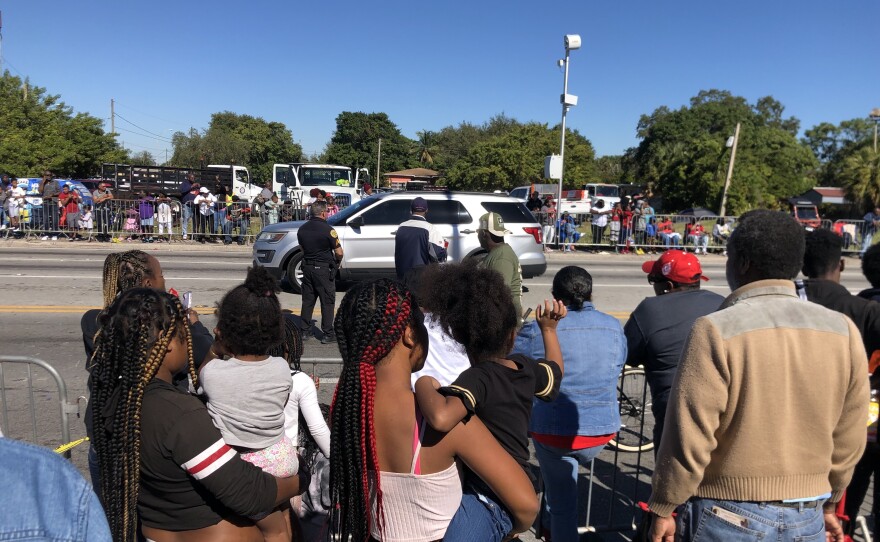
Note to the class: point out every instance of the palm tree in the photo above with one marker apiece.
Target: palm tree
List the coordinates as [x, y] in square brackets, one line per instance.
[861, 176]
[426, 148]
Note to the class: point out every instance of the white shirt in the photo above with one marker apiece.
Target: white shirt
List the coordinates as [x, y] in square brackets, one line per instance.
[446, 357]
[164, 212]
[204, 201]
[304, 398]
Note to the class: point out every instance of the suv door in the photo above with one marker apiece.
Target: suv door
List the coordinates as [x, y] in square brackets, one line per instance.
[369, 249]
[455, 224]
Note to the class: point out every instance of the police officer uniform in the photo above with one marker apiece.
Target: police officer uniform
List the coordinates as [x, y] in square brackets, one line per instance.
[319, 242]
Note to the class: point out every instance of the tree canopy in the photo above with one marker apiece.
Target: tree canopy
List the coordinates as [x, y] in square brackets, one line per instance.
[237, 139]
[42, 132]
[356, 143]
[513, 155]
[683, 155]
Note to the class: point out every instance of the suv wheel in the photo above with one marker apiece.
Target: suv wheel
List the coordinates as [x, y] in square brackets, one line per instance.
[295, 273]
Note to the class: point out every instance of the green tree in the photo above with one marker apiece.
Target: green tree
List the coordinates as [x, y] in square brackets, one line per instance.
[232, 138]
[861, 175]
[143, 158]
[516, 157]
[833, 144]
[426, 148]
[682, 154]
[356, 142]
[42, 132]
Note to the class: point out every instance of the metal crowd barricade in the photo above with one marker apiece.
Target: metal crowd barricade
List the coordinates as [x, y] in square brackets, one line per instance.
[585, 233]
[24, 401]
[857, 234]
[152, 220]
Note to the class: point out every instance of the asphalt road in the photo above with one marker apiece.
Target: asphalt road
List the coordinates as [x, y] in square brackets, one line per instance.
[45, 288]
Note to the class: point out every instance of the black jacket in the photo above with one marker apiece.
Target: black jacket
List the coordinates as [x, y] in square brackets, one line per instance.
[864, 313]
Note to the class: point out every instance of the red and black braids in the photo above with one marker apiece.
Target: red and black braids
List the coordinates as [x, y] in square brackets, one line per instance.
[371, 320]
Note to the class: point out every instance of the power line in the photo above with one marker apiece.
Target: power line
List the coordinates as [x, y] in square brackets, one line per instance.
[144, 129]
[144, 148]
[149, 115]
[143, 135]
[6, 61]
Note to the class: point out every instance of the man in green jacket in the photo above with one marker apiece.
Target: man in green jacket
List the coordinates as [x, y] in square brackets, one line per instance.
[766, 418]
[501, 256]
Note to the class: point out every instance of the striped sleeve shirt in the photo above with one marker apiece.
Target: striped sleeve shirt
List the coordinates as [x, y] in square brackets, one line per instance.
[190, 478]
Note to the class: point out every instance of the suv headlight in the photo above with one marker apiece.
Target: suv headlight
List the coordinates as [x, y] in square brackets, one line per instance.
[271, 236]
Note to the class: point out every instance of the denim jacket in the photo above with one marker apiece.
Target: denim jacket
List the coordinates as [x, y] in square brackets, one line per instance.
[593, 351]
[45, 498]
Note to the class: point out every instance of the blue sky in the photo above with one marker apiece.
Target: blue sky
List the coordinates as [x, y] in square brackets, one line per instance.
[171, 64]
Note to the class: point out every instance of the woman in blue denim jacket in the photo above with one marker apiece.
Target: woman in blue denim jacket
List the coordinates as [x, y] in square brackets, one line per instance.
[574, 428]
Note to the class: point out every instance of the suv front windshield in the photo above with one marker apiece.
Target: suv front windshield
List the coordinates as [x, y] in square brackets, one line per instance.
[340, 218]
[325, 177]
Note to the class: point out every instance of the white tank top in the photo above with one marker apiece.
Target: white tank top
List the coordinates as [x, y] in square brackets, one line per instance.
[416, 507]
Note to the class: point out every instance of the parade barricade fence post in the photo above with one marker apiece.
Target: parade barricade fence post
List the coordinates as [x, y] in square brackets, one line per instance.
[65, 408]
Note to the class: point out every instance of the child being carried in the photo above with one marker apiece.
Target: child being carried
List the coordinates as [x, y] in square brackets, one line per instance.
[246, 388]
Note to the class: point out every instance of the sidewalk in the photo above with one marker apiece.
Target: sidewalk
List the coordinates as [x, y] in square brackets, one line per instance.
[175, 246]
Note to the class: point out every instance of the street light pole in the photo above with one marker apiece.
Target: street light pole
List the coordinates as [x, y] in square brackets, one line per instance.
[572, 42]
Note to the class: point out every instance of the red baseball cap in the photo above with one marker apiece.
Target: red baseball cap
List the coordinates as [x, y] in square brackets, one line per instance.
[676, 266]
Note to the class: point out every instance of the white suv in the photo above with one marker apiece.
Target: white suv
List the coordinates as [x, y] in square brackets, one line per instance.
[367, 228]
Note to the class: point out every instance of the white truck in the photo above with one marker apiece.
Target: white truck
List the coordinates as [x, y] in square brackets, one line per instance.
[293, 182]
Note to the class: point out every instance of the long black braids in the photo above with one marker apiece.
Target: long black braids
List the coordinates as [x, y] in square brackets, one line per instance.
[131, 346]
[371, 320]
[122, 271]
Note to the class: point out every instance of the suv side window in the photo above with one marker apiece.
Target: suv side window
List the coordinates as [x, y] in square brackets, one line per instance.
[390, 212]
[442, 211]
[512, 212]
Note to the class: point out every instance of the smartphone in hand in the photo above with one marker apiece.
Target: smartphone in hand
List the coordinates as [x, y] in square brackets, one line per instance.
[187, 300]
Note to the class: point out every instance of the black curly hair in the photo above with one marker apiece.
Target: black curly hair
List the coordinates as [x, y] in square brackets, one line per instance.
[822, 251]
[573, 286]
[473, 305]
[291, 346]
[249, 316]
[771, 241]
[370, 321]
[871, 265]
[129, 349]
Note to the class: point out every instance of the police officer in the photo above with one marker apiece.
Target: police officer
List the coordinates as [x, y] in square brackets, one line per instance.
[321, 254]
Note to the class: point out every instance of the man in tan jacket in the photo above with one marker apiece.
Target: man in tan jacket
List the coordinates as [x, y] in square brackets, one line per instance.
[768, 412]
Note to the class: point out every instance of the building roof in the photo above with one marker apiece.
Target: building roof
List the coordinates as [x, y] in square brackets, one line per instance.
[415, 172]
[825, 194]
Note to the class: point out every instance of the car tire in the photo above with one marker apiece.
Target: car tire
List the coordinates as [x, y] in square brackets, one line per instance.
[295, 273]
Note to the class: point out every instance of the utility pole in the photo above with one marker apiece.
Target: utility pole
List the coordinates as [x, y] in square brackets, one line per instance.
[875, 116]
[112, 118]
[729, 170]
[379, 164]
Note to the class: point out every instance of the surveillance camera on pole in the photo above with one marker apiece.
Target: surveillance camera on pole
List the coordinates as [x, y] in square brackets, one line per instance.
[572, 42]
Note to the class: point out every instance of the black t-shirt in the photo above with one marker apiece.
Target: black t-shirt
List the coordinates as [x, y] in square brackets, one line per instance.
[655, 336]
[190, 478]
[502, 398]
[201, 343]
[318, 241]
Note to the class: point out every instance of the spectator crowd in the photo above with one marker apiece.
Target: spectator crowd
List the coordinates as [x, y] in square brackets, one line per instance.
[760, 398]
